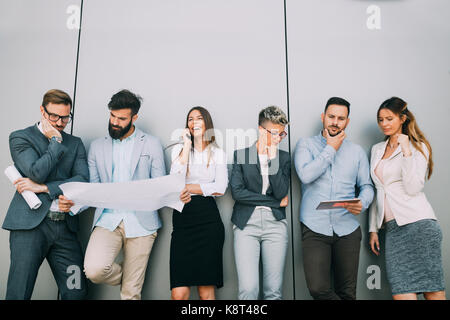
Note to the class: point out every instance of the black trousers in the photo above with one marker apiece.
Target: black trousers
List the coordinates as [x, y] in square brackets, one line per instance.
[323, 255]
[51, 240]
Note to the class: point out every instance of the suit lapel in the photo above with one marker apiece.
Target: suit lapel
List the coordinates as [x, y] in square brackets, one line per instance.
[254, 162]
[396, 152]
[137, 150]
[42, 140]
[253, 157]
[378, 156]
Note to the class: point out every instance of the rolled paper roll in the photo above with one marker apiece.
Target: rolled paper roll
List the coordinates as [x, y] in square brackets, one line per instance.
[29, 196]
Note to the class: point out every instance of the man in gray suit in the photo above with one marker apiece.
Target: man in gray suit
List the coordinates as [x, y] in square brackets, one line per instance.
[46, 157]
[126, 154]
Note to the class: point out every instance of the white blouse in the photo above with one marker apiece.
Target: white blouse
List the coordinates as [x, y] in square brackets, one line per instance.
[212, 178]
[264, 162]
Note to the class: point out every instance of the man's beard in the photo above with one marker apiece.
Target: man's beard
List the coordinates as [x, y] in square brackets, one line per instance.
[331, 134]
[117, 132]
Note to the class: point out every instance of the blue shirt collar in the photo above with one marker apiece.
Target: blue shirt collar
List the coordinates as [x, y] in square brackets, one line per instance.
[322, 139]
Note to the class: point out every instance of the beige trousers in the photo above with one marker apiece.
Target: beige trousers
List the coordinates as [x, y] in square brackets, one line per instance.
[102, 250]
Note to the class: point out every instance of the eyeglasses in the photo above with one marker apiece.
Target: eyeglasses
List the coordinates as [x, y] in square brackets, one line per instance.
[55, 117]
[282, 134]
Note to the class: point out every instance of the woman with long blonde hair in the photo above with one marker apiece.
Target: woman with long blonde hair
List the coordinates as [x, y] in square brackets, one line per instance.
[399, 167]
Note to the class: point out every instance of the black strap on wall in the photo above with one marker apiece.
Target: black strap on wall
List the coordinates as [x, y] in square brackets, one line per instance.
[76, 69]
[289, 145]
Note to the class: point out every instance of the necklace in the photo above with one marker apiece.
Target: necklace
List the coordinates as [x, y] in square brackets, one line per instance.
[391, 145]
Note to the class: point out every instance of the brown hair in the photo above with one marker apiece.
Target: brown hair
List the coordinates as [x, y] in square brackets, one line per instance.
[209, 136]
[409, 127]
[56, 96]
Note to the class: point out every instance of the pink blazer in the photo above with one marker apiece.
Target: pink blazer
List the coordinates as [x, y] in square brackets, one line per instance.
[404, 180]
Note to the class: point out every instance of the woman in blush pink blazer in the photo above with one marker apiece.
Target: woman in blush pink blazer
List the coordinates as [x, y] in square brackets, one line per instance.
[399, 167]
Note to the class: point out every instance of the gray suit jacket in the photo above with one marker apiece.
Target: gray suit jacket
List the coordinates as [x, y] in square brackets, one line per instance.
[246, 184]
[45, 162]
[147, 161]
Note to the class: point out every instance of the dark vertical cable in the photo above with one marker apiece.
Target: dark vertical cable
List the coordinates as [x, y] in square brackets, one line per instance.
[76, 69]
[289, 143]
[75, 88]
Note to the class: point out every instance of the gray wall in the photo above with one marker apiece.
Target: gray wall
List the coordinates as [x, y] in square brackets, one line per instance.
[408, 57]
[37, 53]
[228, 56]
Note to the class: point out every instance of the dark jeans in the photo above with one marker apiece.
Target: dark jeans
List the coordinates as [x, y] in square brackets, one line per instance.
[323, 254]
[51, 240]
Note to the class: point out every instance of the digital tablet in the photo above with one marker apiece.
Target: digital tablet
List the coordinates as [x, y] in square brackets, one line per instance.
[332, 204]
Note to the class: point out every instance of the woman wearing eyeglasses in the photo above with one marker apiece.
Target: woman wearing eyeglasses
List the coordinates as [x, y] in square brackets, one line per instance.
[259, 185]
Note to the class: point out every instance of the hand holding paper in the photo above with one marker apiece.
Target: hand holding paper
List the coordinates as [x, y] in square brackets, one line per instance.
[140, 195]
[65, 204]
[30, 197]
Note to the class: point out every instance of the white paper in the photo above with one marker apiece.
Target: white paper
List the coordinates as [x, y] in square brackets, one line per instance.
[139, 195]
[30, 197]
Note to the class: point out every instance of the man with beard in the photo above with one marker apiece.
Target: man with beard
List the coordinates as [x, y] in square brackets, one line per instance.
[126, 154]
[332, 168]
[46, 157]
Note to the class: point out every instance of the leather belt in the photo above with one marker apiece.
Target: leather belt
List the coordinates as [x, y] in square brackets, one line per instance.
[56, 216]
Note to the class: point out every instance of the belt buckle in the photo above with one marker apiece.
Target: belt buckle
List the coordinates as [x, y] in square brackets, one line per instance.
[56, 216]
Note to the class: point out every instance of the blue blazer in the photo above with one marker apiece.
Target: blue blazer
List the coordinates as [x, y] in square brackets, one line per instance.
[147, 162]
[45, 162]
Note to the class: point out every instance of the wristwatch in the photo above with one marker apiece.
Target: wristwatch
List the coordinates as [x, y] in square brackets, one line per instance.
[57, 139]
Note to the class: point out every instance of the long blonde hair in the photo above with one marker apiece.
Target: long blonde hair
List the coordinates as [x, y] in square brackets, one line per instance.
[409, 127]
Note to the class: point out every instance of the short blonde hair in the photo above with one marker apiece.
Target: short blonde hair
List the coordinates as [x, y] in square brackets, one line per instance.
[273, 114]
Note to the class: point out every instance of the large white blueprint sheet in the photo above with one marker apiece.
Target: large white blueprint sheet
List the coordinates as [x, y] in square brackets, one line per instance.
[139, 195]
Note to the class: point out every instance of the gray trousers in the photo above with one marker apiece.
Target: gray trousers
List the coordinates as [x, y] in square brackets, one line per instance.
[266, 239]
[51, 240]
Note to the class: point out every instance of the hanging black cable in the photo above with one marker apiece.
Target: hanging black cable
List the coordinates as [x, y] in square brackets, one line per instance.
[289, 144]
[76, 69]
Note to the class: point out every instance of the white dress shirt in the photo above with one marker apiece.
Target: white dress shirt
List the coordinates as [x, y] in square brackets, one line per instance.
[264, 163]
[212, 178]
[402, 185]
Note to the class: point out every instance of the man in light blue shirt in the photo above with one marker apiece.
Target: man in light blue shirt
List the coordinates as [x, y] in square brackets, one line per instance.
[121, 172]
[127, 154]
[330, 167]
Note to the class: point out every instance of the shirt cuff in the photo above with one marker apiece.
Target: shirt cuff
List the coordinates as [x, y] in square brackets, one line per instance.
[373, 229]
[329, 153]
[206, 190]
[365, 204]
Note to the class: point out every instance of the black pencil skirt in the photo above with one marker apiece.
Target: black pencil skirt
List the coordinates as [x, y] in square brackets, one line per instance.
[196, 246]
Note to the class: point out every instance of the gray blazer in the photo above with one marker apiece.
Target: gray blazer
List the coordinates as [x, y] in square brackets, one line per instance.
[246, 184]
[45, 162]
[147, 162]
